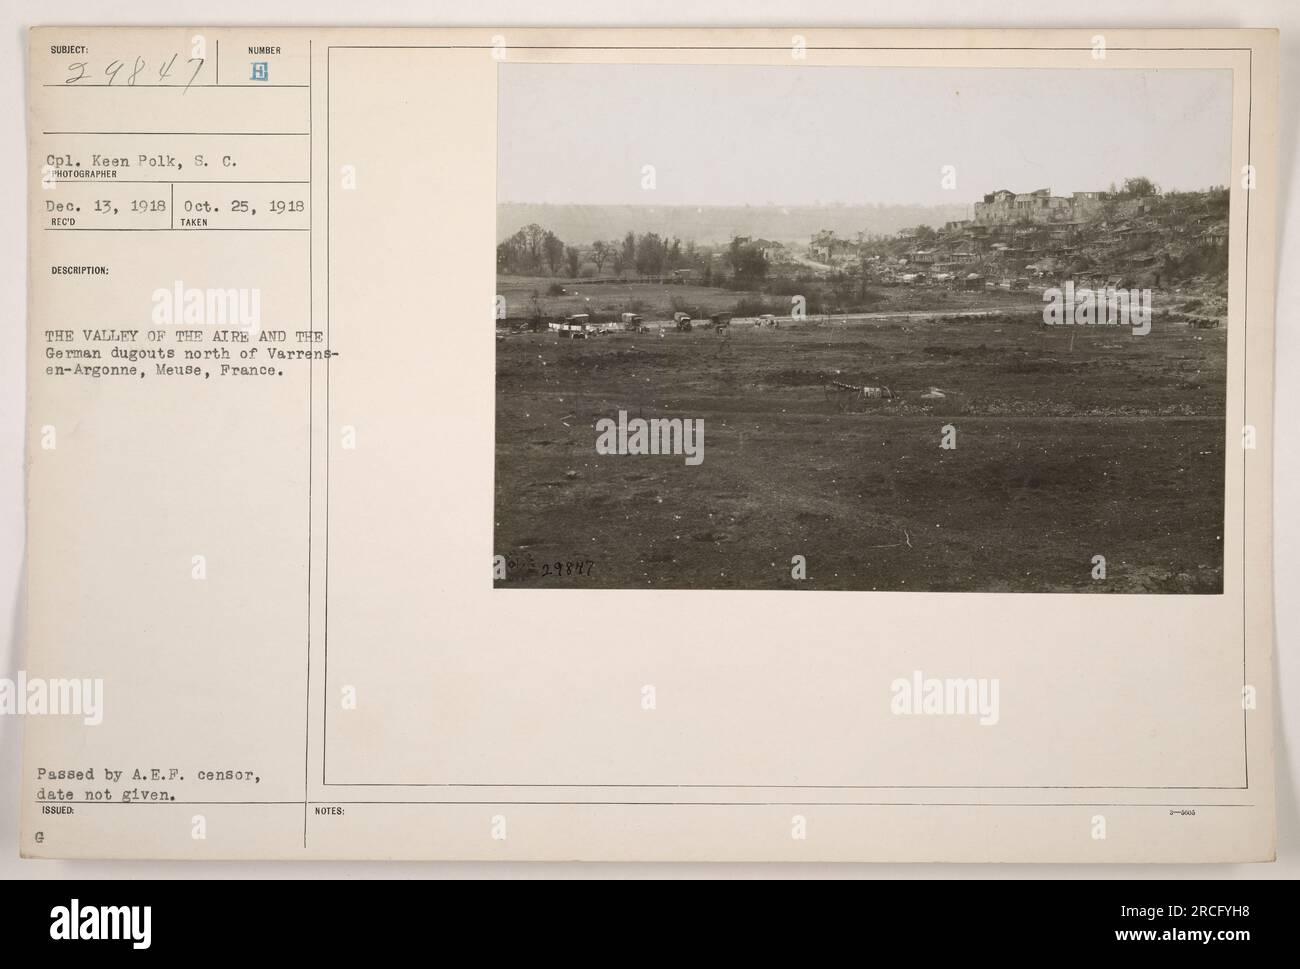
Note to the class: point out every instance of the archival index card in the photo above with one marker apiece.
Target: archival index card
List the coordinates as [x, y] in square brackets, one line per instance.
[869, 432]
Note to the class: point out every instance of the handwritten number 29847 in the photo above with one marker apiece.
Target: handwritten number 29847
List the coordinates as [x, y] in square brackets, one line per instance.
[118, 71]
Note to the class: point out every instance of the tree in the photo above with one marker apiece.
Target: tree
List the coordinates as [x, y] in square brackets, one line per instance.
[629, 250]
[532, 241]
[554, 252]
[1140, 187]
[650, 254]
[523, 252]
[748, 264]
[572, 260]
[600, 253]
[864, 276]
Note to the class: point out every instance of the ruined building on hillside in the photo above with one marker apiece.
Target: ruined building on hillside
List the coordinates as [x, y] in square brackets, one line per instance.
[1003, 207]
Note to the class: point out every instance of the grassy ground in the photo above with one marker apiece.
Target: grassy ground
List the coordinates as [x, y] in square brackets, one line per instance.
[1112, 445]
[659, 302]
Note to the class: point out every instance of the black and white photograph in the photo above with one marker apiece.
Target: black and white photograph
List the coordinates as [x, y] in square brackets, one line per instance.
[862, 328]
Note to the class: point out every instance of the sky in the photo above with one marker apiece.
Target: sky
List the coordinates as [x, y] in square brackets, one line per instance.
[747, 135]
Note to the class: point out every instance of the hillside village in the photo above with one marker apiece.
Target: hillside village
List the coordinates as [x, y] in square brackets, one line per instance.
[1173, 243]
[1176, 243]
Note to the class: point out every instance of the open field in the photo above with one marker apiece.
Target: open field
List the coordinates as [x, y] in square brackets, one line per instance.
[1071, 442]
[659, 302]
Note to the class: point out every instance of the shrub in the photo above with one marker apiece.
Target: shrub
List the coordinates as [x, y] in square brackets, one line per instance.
[756, 306]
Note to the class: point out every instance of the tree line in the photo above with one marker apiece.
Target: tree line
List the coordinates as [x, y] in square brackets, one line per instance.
[535, 251]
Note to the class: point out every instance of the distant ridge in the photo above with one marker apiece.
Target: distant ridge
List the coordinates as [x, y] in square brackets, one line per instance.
[584, 224]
